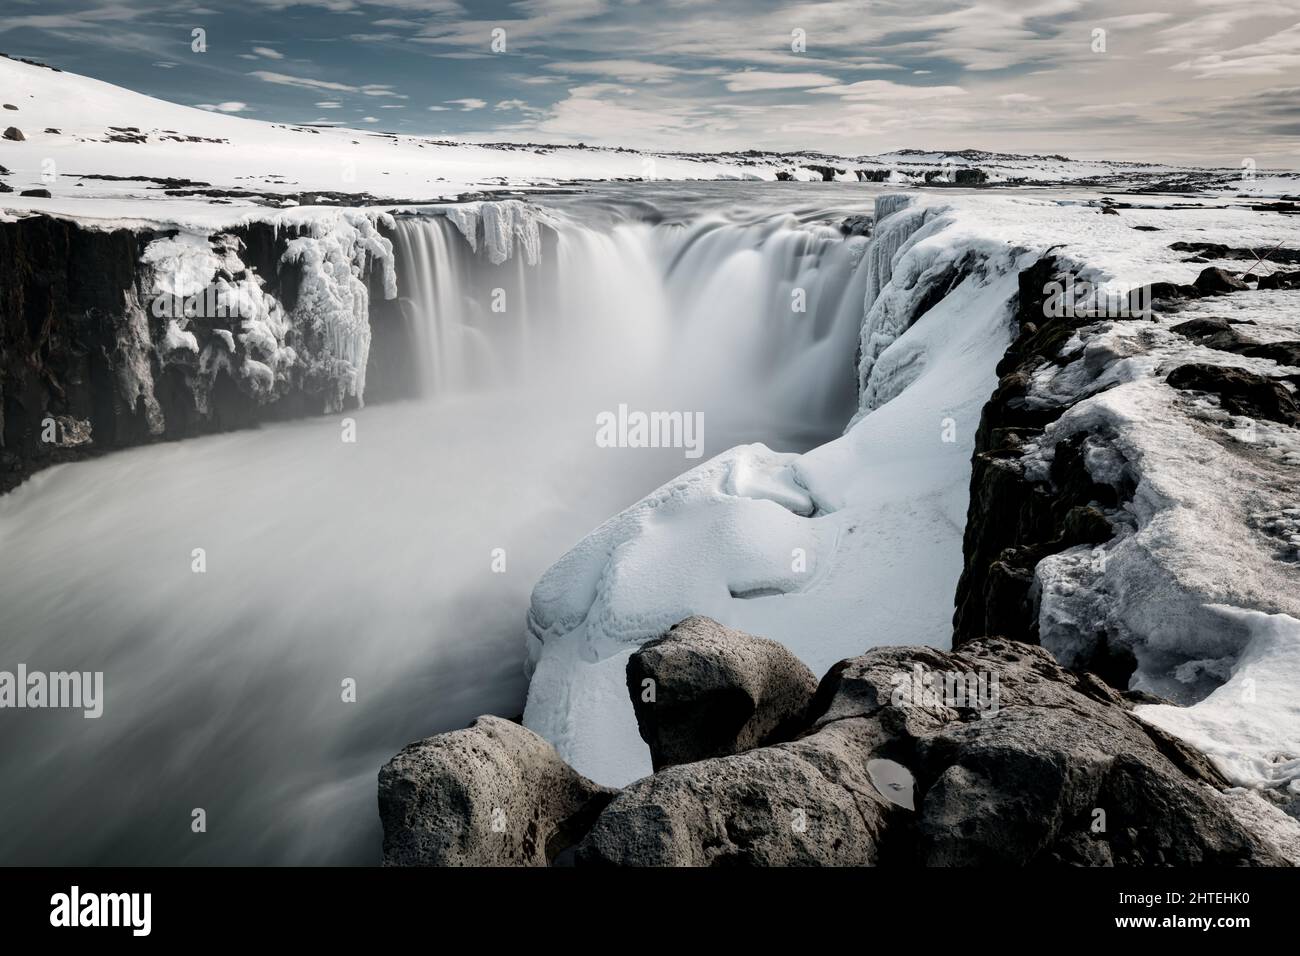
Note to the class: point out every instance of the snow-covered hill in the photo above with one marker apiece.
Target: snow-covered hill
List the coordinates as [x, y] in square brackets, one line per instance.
[107, 153]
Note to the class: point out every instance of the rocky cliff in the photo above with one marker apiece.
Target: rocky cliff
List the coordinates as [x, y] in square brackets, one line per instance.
[110, 339]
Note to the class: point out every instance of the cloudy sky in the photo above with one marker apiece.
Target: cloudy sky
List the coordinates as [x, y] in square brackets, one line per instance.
[1207, 81]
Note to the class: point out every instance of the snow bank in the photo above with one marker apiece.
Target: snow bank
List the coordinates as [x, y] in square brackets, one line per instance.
[1250, 725]
[858, 543]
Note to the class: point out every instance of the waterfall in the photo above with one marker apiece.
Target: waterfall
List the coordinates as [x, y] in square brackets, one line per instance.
[328, 560]
[713, 315]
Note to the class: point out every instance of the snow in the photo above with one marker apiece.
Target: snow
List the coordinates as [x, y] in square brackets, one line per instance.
[1250, 724]
[875, 517]
[275, 163]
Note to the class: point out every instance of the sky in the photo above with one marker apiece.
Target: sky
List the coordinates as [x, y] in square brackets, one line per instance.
[1211, 82]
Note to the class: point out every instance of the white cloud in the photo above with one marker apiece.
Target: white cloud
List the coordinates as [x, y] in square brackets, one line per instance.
[888, 91]
[268, 53]
[468, 103]
[749, 81]
[329, 105]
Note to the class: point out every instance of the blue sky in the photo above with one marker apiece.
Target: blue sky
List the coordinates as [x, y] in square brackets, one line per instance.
[1177, 80]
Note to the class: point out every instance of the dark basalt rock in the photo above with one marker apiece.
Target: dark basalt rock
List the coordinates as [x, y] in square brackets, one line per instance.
[991, 756]
[1215, 281]
[1216, 250]
[36, 193]
[827, 173]
[806, 803]
[494, 794]
[15, 134]
[1013, 523]
[64, 319]
[704, 690]
[1241, 392]
[1219, 333]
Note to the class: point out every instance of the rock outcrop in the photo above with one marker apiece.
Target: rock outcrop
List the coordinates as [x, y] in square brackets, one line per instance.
[990, 755]
[87, 338]
[704, 690]
[494, 794]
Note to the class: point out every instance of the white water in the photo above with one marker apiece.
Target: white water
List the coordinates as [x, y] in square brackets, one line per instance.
[371, 560]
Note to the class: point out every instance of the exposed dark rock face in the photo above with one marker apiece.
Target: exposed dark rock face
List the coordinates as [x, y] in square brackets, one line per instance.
[1036, 765]
[991, 755]
[15, 134]
[1013, 523]
[494, 794]
[79, 355]
[36, 193]
[704, 690]
[827, 173]
[1218, 333]
[1217, 250]
[1216, 282]
[1240, 391]
[872, 175]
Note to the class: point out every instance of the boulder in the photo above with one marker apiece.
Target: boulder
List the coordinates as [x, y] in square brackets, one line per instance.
[704, 690]
[15, 134]
[493, 794]
[36, 193]
[1215, 281]
[992, 755]
[1241, 392]
[807, 803]
[1018, 761]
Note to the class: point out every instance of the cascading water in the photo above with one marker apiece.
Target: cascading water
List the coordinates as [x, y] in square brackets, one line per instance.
[401, 561]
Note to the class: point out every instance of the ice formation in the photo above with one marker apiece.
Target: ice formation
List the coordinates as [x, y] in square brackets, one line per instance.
[499, 226]
[196, 283]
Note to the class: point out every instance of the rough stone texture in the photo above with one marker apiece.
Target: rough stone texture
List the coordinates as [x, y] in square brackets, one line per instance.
[1013, 523]
[1021, 783]
[1214, 281]
[1036, 765]
[717, 691]
[1240, 391]
[66, 322]
[806, 803]
[493, 794]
